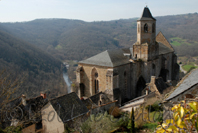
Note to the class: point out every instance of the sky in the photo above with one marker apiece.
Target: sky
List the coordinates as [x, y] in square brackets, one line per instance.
[90, 10]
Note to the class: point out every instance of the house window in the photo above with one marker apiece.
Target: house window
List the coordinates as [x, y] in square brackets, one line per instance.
[146, 28]
[138, 28]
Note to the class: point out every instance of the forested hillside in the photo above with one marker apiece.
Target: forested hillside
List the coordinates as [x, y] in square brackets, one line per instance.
[76, 40]
[38, 70]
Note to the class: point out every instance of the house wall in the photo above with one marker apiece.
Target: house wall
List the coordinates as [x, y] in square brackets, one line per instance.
[51, 121]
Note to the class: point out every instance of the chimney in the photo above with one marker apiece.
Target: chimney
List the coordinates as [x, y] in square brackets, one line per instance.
[23, 99]
[153, 79]
[147, 90]
[43, 95]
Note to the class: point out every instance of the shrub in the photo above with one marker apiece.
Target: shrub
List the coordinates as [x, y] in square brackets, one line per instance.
[154, 107]
[184, 119]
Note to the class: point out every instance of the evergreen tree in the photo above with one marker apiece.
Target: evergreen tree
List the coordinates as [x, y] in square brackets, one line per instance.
[132, 121]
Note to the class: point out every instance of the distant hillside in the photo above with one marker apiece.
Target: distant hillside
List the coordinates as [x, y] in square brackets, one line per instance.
[40, 71]
[75, 39]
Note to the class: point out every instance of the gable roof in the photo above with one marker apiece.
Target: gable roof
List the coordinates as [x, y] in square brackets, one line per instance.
[108, 58]
[146, 15]
[188, 82]
[68, 106]
[162, 39]
[92, 101]
[163, 49]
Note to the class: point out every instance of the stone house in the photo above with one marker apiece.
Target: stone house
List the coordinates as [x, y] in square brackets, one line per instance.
[67, 109]
[99, 103]
[123, 73]
[27, 112]
[187, 88]
[158, 86]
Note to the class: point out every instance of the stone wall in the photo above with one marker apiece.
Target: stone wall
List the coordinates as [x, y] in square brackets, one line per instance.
[88, 78]
[143, 37]
[124, 81]
[124, 77]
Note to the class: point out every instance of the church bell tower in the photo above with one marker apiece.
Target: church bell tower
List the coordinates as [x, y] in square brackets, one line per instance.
[146, 47]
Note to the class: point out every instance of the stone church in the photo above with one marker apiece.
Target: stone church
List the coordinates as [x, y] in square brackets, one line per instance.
[125, 72]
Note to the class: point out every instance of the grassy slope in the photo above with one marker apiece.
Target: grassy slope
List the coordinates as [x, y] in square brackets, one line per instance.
[40, 71]
[189, 66]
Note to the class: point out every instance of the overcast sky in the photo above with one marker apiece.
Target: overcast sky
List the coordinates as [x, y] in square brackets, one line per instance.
[90, 10]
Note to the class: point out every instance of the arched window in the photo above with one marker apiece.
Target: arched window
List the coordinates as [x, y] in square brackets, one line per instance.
[96, 75]
[95, 81]
[146, 28]
[82, 89]
[96, 86]
[153, 28]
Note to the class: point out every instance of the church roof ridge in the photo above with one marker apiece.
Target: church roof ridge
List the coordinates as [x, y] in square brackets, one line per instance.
[146, 15]
[108, 58]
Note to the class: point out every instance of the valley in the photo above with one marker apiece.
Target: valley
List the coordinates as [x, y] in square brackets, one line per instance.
[39, 47]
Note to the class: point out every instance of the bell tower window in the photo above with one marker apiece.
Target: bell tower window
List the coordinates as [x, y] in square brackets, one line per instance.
[153, 28]
[146, 28]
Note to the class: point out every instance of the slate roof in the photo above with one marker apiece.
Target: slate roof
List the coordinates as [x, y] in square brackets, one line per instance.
[187, 83]
[30, 112]
[113, 58]
[68, 106]
[108, 58]
[146, 15]
[36, 103]
[93, 100]
[161, 38]
[164, 49]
